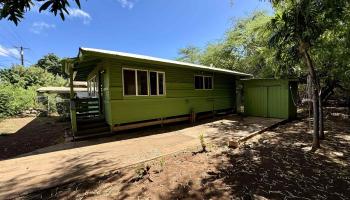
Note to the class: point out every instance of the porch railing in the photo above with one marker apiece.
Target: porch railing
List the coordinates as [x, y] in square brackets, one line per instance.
[87, 107]
[83, 109]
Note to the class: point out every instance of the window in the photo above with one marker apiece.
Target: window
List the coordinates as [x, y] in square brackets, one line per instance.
[129, 82]
[208, 82]
[92, 87]
[203, 82]
[157, 83]
[135, 82]
[153, 82]
[142, 83]
[198, 82]
[160, 83]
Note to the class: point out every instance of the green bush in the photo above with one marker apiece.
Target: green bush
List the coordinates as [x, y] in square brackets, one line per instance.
[18, 86]
[14, 100]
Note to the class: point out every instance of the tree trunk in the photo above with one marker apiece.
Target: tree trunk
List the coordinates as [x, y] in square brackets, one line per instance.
[315, 97]
[321, 124]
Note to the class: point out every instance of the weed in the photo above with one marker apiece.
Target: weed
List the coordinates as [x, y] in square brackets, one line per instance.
[202, 141]
[162, 162]
[141, 171]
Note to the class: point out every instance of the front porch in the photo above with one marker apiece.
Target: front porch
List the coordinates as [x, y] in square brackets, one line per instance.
[87, 114]
[90, 120]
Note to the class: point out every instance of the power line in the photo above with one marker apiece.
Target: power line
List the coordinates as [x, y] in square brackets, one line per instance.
[8, 54]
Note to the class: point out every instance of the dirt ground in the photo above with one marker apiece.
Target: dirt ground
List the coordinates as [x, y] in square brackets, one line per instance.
[274, 165]
[23, 135]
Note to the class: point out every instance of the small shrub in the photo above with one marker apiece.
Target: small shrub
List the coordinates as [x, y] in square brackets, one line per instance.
[14, 100]
[162, 163]
[140, 172]
[202, 141]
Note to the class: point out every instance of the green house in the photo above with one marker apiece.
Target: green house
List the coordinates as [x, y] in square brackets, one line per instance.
[130, 91]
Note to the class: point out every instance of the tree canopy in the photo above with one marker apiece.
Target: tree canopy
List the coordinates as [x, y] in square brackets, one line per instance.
[14, 10]
[51, 63]
[26, 77]
[244, 47]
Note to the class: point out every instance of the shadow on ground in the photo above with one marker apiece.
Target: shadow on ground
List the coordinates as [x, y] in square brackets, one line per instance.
[72, 170]
[155, 130]
[38, 133]
[279, 165]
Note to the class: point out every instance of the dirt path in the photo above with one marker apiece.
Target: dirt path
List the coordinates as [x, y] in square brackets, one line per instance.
[68, 163]
[274, 165]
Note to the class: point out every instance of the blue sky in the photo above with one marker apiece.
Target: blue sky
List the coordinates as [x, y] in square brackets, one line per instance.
[149, 27]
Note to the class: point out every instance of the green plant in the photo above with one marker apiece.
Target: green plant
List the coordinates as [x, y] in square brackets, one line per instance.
[203, 143]
[141, 171]
[14, 100]
[162, 163]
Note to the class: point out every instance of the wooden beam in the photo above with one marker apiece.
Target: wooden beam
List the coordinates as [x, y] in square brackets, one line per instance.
[73, 113]
[149, 123]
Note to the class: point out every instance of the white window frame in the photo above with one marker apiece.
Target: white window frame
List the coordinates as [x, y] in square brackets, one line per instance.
[136, 85]
[164, 87]
[203, 82]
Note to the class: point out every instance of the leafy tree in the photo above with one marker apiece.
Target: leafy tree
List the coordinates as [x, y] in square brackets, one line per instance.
[245, 48]
[51, 63]
[190, 54]
[18, 86]
[14, 10]
[297, 27]
[23, 77]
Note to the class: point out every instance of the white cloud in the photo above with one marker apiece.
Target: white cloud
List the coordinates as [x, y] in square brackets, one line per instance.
[127, 3]
[78, 13]
[8, 52]
[38, 27]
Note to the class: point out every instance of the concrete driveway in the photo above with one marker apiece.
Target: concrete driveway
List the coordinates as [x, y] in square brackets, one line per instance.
[74, 161]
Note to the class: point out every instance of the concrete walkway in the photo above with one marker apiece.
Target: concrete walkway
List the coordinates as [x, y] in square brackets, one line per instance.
[75, 161]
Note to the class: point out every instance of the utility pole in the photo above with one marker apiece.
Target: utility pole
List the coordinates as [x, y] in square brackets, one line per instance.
[21, 51]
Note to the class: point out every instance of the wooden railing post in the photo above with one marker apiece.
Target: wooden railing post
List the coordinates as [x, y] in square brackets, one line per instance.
[73, 112]
[73, 116]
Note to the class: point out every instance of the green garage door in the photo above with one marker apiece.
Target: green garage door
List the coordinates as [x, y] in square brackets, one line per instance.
[267, 98]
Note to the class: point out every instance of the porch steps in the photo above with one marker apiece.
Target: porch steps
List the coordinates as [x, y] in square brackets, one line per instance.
[95, 130]
[92, 127]
[84, 121]
[87, 126]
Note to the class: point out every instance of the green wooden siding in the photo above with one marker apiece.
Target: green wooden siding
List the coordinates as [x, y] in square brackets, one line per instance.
[181, 97]
[270, 98]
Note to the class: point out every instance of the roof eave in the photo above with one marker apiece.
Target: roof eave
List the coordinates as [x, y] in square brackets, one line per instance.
[158, 61]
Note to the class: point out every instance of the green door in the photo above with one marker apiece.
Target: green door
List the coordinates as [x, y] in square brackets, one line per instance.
[269, 98]
[256, 101]
[274, 102]
[265, 101]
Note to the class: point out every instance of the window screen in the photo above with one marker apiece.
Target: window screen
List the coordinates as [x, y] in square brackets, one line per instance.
[142, 88]
[153, 83]
[129, 82]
